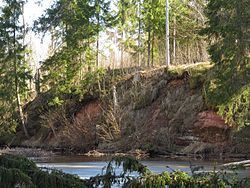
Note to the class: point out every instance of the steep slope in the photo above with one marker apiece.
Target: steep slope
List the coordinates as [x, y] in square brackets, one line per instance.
[162, 111]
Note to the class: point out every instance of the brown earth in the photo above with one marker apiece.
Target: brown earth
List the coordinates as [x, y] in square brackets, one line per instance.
[157, 112]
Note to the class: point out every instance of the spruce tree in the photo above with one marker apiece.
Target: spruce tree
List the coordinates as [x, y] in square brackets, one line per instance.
[76, 25]
[228, 29]
[13, 68]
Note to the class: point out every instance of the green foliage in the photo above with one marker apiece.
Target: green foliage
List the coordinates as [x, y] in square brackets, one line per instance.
[110, 177]
[175, 72]
[13, 67]
[17, 162]
[89, 85]
[141, 27]
[228, 90]
[78, 21]
[174, 179]
[20, 172]
[230, 98]
[228, 30]
[91, 82]
[69, 69]
[199, 74]
[56, 179]
[56, 102]
[14, 177]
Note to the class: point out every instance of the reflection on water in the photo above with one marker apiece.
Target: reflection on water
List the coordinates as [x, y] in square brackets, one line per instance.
[86, 167]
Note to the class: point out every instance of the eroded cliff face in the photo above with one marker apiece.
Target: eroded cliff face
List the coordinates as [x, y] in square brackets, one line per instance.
[163, 113]
[160, 111]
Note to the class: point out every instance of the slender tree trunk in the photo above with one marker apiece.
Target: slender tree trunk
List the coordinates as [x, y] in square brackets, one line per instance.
[23, 43]
[115, 103]
[97, 41]
[149, 47]
[122, 49]
[167, 34]
[139, 34]
[152, 50]
[121, 58]
[97, 47]
[123, 34]
[174, 42]
[97, 50]
[115, 57]
[17, 89]
[37, 77]
[24, 28]
[89, 65]
[188, 53]
[21, 114]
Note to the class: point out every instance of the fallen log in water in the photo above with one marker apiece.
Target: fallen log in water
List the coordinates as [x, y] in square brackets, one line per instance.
[245, 163]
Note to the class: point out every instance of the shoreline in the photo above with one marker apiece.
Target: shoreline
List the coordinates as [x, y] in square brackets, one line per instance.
[137, 153]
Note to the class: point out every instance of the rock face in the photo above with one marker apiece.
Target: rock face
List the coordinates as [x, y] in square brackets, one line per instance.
[156, 111]
[212, 135]
[211, 128]
[157, 125]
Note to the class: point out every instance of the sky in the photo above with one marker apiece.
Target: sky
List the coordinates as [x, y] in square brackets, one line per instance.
[32, 11]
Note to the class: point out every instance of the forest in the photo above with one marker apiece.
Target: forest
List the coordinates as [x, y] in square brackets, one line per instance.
[165, 77]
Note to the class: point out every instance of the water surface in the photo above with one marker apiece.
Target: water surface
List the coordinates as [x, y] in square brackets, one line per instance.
[86, 167]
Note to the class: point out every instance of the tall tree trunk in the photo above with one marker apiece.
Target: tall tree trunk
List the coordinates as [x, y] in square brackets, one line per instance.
[123, 34]
[89, 65]
[188, 53]
[97, 46]
[17, 89]
[121, 63]
[97, 41]
[23, 43]
[21, 114]
[139, 34]
[174, 42]
[167, 34]
[149, 47]
[37, 77]
[152, 50]
[24, 28]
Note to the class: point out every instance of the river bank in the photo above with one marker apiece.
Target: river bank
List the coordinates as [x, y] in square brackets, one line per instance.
[138, 154]
[160, 112]
[86, 167]
[89, 172]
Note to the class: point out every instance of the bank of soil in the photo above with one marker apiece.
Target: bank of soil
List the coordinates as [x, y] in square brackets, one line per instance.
[161, 111]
